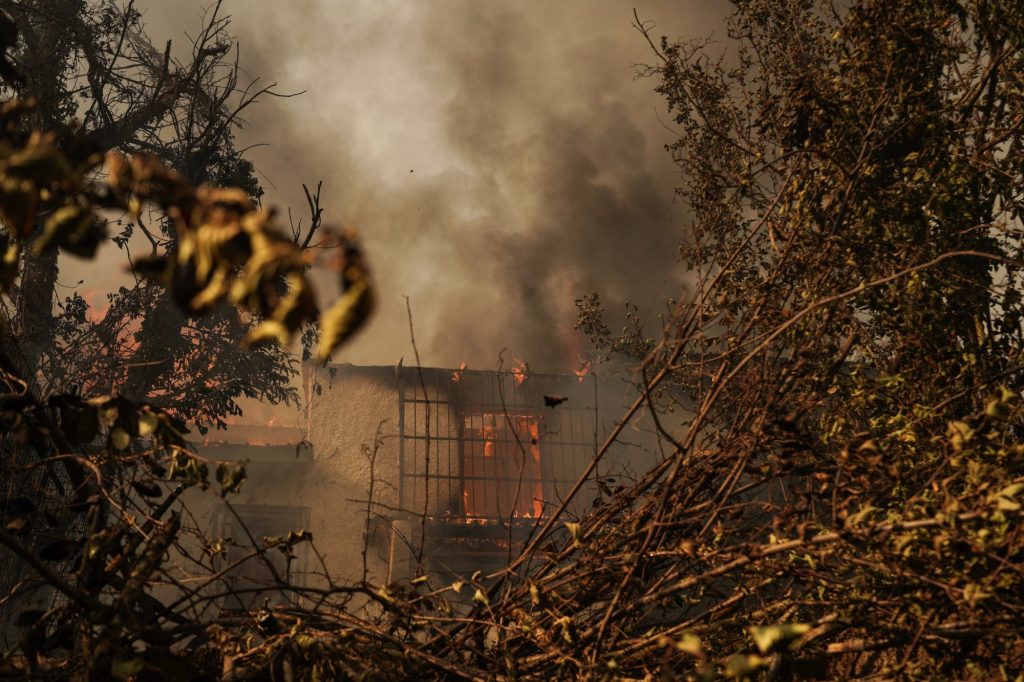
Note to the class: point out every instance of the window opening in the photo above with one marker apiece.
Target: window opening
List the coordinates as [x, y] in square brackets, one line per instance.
[490, 450]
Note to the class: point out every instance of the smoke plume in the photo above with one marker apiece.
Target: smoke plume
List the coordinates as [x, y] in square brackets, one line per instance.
[499, 159]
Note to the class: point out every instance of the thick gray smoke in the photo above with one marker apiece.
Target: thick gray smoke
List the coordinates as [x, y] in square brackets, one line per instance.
[499, 159]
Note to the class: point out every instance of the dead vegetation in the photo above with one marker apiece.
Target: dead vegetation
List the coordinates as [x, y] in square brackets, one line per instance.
[837, 395]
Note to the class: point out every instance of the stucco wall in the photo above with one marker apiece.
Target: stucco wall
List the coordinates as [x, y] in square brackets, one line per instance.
[353, 408]
[323, 483]
[350, 410]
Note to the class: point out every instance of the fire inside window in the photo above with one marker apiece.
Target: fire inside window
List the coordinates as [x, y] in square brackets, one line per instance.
[501, 465]
[482, 446]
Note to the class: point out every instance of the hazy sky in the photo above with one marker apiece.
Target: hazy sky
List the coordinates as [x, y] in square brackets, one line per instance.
[499, 158]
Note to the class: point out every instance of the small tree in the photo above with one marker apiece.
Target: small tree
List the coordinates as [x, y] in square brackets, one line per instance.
[92, 410]
[843, 499]
[92, 61]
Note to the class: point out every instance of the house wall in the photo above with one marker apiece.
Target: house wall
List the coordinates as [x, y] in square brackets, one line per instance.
[352, 438]
[352, 409]
[325, 480]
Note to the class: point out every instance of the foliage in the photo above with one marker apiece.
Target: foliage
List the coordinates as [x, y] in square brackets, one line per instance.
[226, 249]
[852, 345]
[630, 343]
[70, 408]
[92, 60]
[838, 395]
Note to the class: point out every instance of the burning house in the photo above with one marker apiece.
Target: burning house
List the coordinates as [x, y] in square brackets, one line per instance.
[397, 466]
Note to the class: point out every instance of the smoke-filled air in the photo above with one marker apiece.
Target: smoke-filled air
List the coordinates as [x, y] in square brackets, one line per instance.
[531, 340]
[498, 159]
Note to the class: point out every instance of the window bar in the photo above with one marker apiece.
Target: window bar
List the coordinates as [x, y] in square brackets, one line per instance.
[402, 473]
[437, 457]
[569, 469]
[497, 390]
[416, 452]
[460, 452]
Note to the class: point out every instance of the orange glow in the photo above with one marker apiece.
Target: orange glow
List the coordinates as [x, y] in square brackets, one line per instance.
[521, 371]
[487, 433]
[584, 370]
[98, 304]
[538, 488]
[502, 466]
[457, 374]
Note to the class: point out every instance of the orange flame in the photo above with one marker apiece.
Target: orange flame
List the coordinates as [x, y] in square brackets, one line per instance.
[492, 467]
[584, 370]
[487, 432]
[457, 374]
[538, 489]
[521, 371]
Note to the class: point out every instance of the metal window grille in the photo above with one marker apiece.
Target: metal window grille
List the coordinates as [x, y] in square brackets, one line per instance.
[480, 447]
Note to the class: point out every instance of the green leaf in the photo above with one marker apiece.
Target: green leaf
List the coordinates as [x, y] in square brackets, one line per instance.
[859, 518]
[148, 423]
[268, 330]
[119, 438]
[345, 317]
[690, 643]
[997, 409]
[230, 477]
[1004, 499]
[973, 593]
[575, 533]
[122, 670]
[39, 161]
[772, 637]
[744, 665]
[74, 229]
[106, 409]
[960, 433]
